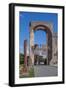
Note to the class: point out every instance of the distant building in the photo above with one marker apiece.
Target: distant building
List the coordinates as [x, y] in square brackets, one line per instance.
[41, 51]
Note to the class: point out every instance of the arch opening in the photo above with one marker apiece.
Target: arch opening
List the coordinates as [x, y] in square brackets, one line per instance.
[40, 45]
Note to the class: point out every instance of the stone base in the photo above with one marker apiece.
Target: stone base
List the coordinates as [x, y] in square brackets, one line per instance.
[24, 69]
[53, 62]
[24, 72]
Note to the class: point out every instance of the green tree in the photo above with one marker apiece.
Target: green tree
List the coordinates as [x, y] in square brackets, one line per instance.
[21, 58]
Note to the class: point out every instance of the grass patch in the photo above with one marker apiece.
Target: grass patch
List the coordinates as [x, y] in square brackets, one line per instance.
[31, 72]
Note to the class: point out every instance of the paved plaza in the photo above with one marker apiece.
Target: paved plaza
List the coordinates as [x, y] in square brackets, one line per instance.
[43, 70]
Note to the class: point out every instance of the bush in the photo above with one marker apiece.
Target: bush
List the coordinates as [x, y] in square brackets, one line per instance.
[21, 58]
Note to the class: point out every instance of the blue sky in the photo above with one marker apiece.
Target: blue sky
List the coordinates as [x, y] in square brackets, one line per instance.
[26, 17]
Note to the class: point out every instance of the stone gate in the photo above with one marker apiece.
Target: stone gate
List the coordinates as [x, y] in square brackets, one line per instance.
[48, 28]
[52, 56]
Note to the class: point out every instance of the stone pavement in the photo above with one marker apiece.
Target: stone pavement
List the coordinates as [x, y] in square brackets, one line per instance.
[45, 70]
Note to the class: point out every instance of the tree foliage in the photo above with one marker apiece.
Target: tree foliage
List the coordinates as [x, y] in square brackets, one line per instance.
[21, 58]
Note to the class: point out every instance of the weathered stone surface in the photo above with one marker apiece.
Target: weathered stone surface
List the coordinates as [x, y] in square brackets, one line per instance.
[25, 53]
[51, 40]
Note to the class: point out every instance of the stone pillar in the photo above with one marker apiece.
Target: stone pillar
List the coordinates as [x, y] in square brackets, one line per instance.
[47, 48]
[31, 45]
[54, 57]
[25, 53]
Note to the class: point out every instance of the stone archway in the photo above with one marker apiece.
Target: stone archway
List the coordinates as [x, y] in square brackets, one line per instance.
[47, 27]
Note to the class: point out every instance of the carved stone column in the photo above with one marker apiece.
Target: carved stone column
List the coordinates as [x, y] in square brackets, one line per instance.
[47, 48]
[25, 53]
[55, 49]
[31, 45]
